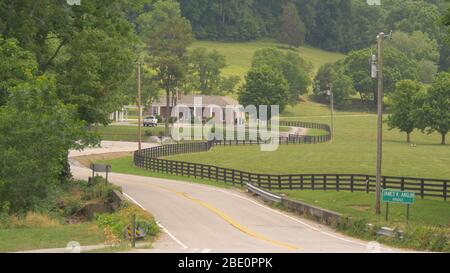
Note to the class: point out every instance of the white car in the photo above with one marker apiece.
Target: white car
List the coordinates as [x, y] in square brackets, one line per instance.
[151, 121]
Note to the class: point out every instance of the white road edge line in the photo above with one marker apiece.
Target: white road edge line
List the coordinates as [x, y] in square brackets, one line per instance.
[299, 221]
[283, 214]
[158, 223]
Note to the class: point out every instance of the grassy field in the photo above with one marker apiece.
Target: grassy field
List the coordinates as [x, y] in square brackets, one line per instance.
[125, 165]
[362, 205]
[127, 133]
[22, 239]
[352, 151]
[239, 55]
[130, 133]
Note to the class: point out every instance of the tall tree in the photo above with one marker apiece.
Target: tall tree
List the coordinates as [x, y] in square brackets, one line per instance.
[207, 68]
[333, 76]
[403, 104]
[292, 29]
[36, 131]
[264, 86]
[167, 35]
[397, 66]
[435, 115]
[17, 66]
[294, 69]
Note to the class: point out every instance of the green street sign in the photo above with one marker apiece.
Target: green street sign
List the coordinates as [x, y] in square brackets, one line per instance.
[402, 197]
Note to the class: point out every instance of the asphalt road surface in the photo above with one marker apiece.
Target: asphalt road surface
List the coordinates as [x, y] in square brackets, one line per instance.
[200, 218]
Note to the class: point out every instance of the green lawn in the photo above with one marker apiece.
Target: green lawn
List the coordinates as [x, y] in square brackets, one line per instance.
[239, 55]
[362, 205]
[56, 237]
[127, 133]
[130, 133]
[352, 151]
[125, 165]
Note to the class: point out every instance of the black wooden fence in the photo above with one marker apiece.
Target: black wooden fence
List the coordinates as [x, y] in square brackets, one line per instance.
[150, 159]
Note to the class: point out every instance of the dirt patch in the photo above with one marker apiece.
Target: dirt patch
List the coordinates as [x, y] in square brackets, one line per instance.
[86, 160]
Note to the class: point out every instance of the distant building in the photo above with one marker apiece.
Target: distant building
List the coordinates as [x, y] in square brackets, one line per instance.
[211, 107]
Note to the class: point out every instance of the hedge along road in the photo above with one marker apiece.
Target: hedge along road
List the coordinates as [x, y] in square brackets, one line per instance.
[208, 219]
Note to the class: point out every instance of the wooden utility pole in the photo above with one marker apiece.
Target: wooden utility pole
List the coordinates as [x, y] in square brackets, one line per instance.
[332, 111]
[380, 40]
[139, 106]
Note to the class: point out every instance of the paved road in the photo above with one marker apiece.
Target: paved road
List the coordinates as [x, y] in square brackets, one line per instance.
[199, 218]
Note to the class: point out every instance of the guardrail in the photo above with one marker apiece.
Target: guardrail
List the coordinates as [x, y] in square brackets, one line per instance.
[268, 196]
[150, 159]
[319, 214]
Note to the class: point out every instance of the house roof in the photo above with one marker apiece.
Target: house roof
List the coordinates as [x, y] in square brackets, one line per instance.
[188, 100]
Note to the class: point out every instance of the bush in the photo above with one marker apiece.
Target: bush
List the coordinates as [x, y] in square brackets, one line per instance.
[118, 221]
[100, 190]
[148, 133]
[72, 206]
[5, 220]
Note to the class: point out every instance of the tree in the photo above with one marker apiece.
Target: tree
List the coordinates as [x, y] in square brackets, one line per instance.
[93, 42]
[207, 68]
[36, 131]
[292, 29]
[332, 76]
[167, 35]
[264, 86]
[435, 114]
[95, 74]
[294, 69]
[420, 47]
[403, 104]
[397, 67]
[17, 66]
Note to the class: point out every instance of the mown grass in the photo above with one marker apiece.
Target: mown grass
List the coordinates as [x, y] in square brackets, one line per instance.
[352, 151]
[239, 55]
[130, 133]
[126, 165]
[362, 205]
[22, 239]
[127, 133]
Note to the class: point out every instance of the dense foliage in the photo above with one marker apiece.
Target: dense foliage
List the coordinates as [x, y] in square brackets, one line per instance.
[339, 25]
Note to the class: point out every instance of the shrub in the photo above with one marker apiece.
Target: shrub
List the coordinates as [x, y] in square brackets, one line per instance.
[72, 206]
[117, 222]
[100, 190]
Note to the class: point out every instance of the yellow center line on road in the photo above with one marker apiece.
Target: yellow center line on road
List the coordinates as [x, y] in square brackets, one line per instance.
[232, 221]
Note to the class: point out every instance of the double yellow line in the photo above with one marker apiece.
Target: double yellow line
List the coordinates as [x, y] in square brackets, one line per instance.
[232, 221]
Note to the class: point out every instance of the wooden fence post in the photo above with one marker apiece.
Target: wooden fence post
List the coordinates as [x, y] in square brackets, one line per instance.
[352, 183]
[338, 183]
[445, 190]
[422, 188]
[367, 184]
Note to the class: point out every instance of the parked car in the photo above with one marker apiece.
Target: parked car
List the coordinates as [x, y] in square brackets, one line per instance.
[150, 121]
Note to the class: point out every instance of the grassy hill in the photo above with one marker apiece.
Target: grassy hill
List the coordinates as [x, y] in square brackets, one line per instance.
[353, 151]
[239, 55]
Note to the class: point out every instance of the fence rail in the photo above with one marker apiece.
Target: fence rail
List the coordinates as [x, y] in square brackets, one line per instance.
[150, 159]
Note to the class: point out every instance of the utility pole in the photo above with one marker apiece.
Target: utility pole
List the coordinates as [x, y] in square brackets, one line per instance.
[139, 106]
[380, 40]
[332, 110]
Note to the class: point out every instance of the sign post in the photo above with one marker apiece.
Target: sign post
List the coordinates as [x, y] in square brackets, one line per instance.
[400, 197]
[100, 168]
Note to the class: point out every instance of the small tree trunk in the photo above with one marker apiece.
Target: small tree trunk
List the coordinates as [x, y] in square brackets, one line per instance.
[408, 137]
[443, 138]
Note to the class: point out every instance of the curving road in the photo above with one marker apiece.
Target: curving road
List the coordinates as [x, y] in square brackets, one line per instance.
[199, 218]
